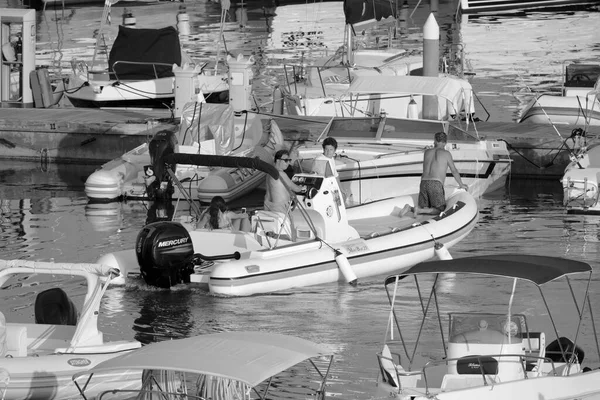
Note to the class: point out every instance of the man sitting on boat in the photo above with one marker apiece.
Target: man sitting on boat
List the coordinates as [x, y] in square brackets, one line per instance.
[278, 196]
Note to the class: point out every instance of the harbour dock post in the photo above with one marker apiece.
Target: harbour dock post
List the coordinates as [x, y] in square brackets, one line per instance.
[431, 63]
[187, 87]
[240, 82]
[18, 56]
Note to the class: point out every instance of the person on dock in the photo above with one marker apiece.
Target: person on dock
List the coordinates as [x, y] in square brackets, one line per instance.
[278, 196]
[217, 216]
[436, 161]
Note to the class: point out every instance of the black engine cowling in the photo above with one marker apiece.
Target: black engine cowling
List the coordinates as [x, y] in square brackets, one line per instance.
[162, 144]
[165, 254]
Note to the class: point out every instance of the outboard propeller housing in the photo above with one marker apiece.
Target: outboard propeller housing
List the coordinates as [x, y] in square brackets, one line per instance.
[165, 253]
[162, 144]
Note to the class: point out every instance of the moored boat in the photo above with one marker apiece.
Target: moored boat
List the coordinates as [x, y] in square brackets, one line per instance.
[494, 6]
[205, 129]
[443, 345]
[577, 104]
[219, 366]
[141, 70]
[581, 180]
[318, 241]
[381, 157]
[42, 356]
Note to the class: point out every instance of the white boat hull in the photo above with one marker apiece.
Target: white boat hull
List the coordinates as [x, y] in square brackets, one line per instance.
[378, 248]
[579, 110]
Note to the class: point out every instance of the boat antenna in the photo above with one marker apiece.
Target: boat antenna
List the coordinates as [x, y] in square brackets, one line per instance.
[225, 4]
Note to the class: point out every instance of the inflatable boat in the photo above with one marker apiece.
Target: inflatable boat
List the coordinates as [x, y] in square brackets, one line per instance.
[205, 129]
[42, 355]
[318, 241]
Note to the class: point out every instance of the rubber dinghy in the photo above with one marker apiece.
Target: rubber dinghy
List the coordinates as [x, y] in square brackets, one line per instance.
[318, 241]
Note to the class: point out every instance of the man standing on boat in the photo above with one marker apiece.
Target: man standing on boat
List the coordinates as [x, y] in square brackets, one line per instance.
[436, 161]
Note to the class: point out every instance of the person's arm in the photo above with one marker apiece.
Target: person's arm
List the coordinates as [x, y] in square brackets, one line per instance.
[455, 173]
[287, 182]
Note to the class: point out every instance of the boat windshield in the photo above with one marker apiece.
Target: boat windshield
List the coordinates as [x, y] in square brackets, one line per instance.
[314, 166]
[485, 328]
[391, 129]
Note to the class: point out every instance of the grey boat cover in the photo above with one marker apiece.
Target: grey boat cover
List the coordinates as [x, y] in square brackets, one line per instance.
[137, 49]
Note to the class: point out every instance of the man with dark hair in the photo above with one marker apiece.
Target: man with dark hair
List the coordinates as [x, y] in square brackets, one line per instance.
[436, 161]
[329, 148]
[277, 197]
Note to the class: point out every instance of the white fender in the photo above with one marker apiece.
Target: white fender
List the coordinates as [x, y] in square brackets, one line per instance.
[345, 268]
[442, 252]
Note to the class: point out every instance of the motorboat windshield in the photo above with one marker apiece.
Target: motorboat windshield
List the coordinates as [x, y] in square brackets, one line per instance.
[381, 129]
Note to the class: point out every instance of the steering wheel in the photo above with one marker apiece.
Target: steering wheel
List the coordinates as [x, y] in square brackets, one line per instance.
[580, 77]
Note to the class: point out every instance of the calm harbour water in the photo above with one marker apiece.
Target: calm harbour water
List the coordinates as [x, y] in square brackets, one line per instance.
[45, 215]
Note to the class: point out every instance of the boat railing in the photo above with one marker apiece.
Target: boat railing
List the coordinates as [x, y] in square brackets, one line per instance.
[154, 65]
[577, 191]
[304, 73]
[481, 360]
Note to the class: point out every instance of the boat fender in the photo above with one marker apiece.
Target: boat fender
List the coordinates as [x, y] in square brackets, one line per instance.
[128, 19]
[345, 268]
[413, 109]
[442, 252]
[277, 101]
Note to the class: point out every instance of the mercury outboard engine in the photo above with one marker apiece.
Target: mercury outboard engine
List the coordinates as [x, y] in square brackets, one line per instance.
[161, 145]
[165, 254]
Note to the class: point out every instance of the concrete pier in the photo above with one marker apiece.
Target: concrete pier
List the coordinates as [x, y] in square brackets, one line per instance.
[76, 135]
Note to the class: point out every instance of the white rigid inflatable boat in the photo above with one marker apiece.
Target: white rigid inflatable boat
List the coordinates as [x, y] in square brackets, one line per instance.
[41, 357]
[320, 242]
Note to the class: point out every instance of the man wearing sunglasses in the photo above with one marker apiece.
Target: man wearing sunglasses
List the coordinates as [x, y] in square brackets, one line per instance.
[278, 194]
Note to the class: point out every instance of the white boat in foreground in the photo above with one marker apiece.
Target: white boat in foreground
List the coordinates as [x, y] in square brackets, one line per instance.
[578, 103]
[499, 354]
[318, 241]
[42, 356]
[495, 6]
[205, 129]
[382, 157]
[219, 366]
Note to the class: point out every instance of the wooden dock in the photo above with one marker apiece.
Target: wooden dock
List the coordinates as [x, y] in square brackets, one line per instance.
[76, 135]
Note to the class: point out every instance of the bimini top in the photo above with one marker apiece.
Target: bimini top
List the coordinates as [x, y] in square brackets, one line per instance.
[248, 357]
[536, 269]
[210, 160]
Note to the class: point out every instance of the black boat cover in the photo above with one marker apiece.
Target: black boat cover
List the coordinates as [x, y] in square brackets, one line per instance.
[136, 50]
[364, 10]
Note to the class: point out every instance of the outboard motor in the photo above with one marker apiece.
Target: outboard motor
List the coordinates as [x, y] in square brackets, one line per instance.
[165, 253]
[161, 145]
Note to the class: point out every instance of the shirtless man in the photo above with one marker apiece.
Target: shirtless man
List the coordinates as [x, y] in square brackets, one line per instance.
[277, 197]
[436, 161]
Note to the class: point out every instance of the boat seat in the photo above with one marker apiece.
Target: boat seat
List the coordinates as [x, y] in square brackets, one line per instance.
[16, 340]
[455, 382]
[53, 307]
